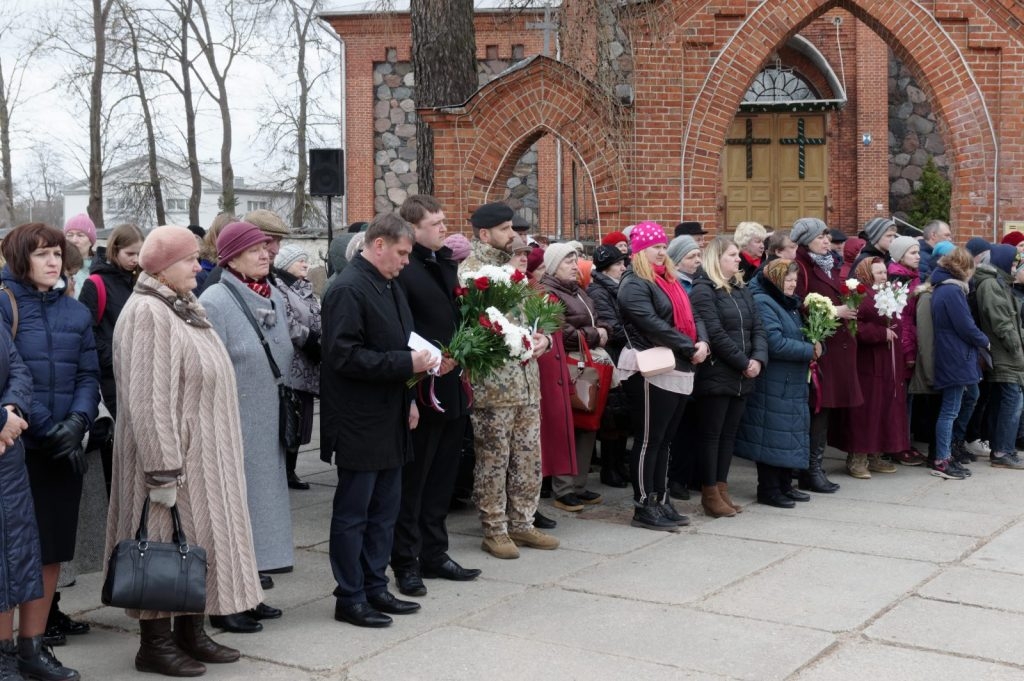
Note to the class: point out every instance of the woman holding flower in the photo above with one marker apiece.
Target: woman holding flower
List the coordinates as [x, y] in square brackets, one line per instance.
[775, 426]
[839, 385]
[879, 424]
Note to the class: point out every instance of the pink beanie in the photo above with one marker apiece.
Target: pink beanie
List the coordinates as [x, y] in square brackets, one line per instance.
[165, 246]
[646, 234]
[237, 237]
[82, 223]
[459, 246]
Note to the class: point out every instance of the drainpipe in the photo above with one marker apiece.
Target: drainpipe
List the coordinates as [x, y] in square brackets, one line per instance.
[344, 118]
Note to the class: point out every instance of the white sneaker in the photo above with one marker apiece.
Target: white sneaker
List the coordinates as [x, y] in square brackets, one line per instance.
[979, 447]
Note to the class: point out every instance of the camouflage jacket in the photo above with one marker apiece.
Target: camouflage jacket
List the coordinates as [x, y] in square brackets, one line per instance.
[515, 384]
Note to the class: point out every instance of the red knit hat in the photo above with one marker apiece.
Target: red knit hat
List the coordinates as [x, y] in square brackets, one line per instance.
[1013, 238]
[612, 238]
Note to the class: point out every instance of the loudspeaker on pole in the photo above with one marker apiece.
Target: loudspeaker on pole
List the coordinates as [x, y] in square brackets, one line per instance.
[326, 172]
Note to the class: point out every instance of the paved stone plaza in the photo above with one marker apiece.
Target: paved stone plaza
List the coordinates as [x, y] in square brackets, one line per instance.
[903, 576]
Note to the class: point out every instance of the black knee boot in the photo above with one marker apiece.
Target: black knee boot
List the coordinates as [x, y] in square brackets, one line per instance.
[814, 478]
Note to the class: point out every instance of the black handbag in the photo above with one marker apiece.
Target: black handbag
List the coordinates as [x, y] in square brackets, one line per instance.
[289, 407]
[145, 575]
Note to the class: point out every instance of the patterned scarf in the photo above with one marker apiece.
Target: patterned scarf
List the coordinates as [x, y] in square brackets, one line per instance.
[825, 262]
[682, 315]
[260, 286]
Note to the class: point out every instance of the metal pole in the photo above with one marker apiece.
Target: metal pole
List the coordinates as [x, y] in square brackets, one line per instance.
[330, 234]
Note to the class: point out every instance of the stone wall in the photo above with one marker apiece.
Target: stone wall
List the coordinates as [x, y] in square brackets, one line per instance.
[914, 136]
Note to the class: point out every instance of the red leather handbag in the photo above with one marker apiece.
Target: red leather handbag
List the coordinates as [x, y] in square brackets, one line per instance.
[591, 381]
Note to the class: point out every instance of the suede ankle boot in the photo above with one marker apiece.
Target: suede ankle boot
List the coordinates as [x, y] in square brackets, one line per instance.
[36, 661]
[723, 491]
[191, 637]
[159, 654]
[713, 504]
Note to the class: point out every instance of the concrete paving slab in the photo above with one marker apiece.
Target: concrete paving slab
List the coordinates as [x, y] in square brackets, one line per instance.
[678, 570]
[318, 493]
[796, 589]
[896, 488]
[997, 590]
[991, 491]
[859, 660]
[953, 628]
[311, 524]
[881, 541]
[532, 567]
[1002, 553]
[671, 635]
[505, 658]
[608, 537]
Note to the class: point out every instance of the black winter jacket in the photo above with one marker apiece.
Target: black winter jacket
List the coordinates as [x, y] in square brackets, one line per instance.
[119, 284]
[648, 321]
[735, 334]
[604, 291]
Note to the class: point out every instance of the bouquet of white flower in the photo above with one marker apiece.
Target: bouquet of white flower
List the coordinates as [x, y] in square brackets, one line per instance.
[890, 299]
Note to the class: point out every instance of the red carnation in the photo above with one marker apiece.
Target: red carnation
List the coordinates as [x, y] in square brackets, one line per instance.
[862, 289]
[517, 277]
[481, 283]
[497, 328]
[844, 289]
[552, 298]
[484, 321]
[461, 291]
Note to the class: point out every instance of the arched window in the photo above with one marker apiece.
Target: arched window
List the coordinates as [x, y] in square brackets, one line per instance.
[777, 84]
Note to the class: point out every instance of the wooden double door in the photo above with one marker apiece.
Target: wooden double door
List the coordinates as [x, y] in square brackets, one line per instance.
[775, 169]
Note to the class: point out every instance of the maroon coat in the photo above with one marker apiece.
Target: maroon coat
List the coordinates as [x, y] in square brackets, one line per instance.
[839, 384]
[557, 441]
[879, 425]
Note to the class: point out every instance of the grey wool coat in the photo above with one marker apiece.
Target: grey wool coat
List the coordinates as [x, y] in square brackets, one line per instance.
[265, 475]
[178, 417]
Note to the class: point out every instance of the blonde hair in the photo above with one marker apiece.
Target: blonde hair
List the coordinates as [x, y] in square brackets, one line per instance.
[713, 266]
[643, 269]
[745, 231]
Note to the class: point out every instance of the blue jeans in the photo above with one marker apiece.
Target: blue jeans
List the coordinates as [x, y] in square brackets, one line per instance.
[1006, 414]
[955, 413]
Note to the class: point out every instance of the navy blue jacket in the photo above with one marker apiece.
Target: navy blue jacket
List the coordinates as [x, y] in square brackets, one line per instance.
[957, 337]
[776, 422]
[20, 567]
[55, 340]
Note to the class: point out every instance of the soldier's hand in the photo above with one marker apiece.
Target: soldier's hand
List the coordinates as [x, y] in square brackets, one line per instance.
[422, 361]
[540, 344]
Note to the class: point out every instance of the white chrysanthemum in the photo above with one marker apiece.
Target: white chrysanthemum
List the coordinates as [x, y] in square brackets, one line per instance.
[816, 300]
[852, 284]
[498, 274]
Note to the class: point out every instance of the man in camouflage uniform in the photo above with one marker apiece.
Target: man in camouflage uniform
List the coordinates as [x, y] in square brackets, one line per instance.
[506, 418]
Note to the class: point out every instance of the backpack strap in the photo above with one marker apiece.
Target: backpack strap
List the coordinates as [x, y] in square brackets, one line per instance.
[14, 310]
[101, 296]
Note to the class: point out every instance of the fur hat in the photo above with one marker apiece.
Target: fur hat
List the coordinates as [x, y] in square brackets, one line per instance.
[691, 228]
[646, 234]
[459, 246]
[900, 245]
[355, 246]
[83, 223]
[491, 215]
[806, 230]
[165, 246]
[555, 254]
[289, 255]
[680, 246]
[269, 222]
[235, 238]
[876, 228]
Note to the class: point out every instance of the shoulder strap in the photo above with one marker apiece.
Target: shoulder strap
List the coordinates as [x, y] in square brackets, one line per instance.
[101, 296]
[14, 310]
[256, 327]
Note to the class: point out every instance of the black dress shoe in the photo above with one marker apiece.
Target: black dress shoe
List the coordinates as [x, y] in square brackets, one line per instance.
[797, 495]
[410, 583]
[295, 482]
[449, 569]
[238, 623]
[385, 601]
[266, 582]
[279, 571]
[264, 612]
[54, 637]
[542, 522]
[58, 622]
[361, 615]
[778, 500]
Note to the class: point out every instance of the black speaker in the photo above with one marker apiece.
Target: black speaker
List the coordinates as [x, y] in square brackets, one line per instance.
[326, 172]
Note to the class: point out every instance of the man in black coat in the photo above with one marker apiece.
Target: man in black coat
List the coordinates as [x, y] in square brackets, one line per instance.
[367, 416]
[421, 539]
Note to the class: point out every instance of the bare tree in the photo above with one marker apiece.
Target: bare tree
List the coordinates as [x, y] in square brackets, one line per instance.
[100, 15]
[40, 193]
[12, 77]
[444, 65]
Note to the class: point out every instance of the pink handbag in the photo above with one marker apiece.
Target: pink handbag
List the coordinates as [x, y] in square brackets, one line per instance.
[655, 361]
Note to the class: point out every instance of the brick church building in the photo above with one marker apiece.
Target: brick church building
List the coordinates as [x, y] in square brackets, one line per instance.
[720, 111]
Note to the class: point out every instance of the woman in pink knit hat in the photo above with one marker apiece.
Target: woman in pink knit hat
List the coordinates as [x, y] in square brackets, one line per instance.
[80, 232]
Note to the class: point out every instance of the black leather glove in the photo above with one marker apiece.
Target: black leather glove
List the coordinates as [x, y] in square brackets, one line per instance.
[311, 348]
[64, 441]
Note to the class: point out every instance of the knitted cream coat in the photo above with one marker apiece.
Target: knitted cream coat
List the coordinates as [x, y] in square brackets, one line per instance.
[178, 411]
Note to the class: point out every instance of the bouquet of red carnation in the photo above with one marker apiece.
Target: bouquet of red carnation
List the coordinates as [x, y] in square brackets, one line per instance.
[852, 292]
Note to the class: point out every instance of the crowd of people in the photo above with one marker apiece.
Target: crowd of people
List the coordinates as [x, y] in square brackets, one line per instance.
[199, 346]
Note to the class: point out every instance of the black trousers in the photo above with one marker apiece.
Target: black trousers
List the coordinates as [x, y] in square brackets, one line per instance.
[773, 480]
[719, 419]
[362, 527]
[655, 418]
[427, 485]
[682, 468]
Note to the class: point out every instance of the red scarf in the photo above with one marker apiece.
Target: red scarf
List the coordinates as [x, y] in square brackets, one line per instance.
[262, 287]
[755, 262]
[682, 315]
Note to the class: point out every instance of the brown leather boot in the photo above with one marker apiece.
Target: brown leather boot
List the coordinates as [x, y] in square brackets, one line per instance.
[191, 637]
[159, 654]
[714, 506]
[723, 491]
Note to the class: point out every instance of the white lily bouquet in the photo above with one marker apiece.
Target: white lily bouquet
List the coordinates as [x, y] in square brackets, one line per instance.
[891, 299]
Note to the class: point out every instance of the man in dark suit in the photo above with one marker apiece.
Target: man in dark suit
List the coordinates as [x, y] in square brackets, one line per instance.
[366, 417]
[421, 539]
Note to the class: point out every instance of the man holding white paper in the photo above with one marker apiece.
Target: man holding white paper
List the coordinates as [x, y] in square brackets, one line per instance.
[366, 415]
[420, 548]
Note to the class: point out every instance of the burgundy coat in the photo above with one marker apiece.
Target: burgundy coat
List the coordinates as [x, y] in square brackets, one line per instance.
[879, 424]
[839, 384]
[557, 440]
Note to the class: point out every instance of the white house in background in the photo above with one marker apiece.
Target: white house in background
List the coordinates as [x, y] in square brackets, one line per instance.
[127, 196]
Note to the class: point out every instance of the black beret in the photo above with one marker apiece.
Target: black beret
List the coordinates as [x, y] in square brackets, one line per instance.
[606, 256]
[689, 228]
[491, 215]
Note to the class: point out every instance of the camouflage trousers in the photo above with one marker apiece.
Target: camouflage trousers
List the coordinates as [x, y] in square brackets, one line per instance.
[506, 478]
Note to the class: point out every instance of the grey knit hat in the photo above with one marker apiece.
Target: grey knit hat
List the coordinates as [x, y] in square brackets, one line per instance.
[289, 255]
[680, 246]
[875, 229]
[806, 230]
